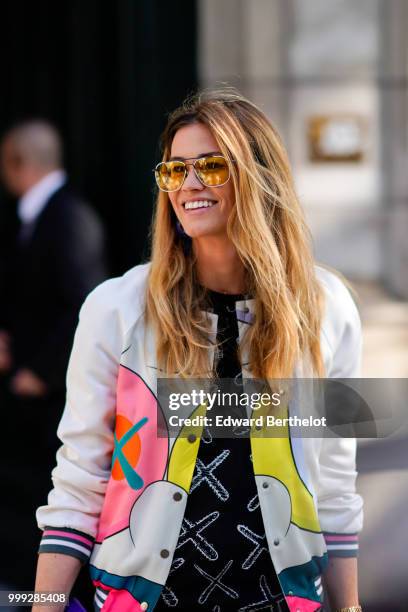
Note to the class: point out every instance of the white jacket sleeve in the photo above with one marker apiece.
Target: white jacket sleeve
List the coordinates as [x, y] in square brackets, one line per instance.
[70, 518]
[339, 506]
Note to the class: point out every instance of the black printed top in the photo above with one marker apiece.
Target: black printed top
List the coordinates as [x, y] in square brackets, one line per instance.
[222, 562]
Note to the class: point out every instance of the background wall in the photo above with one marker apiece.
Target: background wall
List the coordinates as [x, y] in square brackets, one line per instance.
[300, 59]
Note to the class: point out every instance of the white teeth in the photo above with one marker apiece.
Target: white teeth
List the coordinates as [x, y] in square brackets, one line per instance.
[198, 204]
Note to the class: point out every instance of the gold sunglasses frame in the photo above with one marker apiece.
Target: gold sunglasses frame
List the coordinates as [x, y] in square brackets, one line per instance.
[196, 159]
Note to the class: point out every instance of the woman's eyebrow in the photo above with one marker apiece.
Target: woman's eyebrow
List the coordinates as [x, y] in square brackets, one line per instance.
[178, 158]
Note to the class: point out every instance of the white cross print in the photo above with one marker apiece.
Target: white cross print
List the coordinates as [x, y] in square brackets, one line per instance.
[204, 473]
[269, 602]
[191, 532]
[214, 583]
[253, 503]
[168, 596]
[207, 436]
[257, 540]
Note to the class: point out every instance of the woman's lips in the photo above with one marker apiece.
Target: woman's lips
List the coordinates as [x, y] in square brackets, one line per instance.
[199, 209]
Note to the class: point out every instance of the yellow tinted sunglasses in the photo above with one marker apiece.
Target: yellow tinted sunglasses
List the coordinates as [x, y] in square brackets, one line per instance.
[211, 171]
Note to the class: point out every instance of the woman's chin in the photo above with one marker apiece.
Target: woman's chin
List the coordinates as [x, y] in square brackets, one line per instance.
[197, 233]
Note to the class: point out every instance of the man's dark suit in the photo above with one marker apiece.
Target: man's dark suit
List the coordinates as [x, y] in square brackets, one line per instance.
[55, 265]
[49, 272]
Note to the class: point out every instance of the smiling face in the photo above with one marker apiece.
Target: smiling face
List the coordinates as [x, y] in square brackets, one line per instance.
[216, 203]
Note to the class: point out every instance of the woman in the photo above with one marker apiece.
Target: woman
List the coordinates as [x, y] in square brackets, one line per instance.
[221, 524]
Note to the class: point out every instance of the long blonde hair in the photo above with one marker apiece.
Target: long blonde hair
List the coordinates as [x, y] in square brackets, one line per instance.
[268, 230]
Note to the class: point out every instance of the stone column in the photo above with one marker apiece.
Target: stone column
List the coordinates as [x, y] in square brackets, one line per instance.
[394, 124]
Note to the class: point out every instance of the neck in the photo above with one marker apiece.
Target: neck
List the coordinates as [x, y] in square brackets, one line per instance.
[35, 178]
[218, 265]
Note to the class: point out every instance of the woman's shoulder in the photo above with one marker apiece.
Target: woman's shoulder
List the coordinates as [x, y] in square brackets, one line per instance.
[335, 290]
[341, 327]
[121, 297]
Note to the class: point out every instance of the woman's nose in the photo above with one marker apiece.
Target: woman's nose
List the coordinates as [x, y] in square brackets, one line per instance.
[191, 181]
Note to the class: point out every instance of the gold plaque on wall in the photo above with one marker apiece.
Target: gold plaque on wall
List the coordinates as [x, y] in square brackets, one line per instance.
[336, 138]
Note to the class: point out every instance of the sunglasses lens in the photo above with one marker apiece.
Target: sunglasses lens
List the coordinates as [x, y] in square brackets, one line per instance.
[170, 175]
[212, 170]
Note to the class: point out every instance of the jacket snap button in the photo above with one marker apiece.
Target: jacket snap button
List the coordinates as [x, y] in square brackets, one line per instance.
[276, 542]
[164, 553]
[144, 605]
[265, 485]
[246, 309]
[177, 496]
[290, 592]
[191, 438]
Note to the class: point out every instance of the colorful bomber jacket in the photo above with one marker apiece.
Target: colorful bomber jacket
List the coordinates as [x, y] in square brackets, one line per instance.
[122, 508]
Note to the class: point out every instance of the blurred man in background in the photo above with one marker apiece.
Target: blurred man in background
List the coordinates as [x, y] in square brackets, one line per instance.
[57, 258]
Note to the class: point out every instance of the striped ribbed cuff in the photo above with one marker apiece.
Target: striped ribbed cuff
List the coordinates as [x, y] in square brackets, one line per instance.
[67, 542]
[341, 544]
